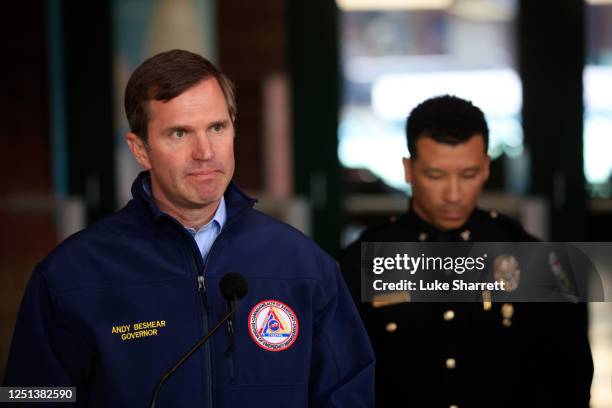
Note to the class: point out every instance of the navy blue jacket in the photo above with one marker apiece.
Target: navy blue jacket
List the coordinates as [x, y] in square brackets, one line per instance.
[116, 305]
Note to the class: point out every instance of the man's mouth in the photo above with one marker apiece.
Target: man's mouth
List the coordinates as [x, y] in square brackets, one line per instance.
[452, 214]
[203, 173]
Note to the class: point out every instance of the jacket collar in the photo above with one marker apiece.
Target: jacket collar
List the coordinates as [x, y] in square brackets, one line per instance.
[236, 201]
[428, 232]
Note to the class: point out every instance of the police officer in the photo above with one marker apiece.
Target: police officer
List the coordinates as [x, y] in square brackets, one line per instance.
[465, 354]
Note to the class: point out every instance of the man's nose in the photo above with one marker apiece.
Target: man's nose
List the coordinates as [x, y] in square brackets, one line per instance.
[452, 193]
[202, 149]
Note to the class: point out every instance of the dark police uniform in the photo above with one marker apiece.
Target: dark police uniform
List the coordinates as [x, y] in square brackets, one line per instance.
[471, 354]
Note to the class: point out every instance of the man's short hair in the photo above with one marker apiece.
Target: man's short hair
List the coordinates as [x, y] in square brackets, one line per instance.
[446, 119]
[165, 76]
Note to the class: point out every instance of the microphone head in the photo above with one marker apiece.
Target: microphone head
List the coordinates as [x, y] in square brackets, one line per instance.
[233, 286]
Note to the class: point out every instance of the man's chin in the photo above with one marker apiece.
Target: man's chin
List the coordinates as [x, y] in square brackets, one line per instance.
[207, 192]
[207, 199]
[446, 224]
[210, 195]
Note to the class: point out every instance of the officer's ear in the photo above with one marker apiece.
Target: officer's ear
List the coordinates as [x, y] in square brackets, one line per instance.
[406, 161]
[139, 149]
[486, 164]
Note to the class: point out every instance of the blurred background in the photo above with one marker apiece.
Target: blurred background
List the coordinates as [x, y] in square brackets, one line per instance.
[324, 88]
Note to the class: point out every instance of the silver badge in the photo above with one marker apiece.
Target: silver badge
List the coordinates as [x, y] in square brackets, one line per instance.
[559, 273]
[506, 269]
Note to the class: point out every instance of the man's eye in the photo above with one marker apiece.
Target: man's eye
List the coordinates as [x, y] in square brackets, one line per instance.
[470, 175]
[179, 133]
[434, 176]
[217, 128]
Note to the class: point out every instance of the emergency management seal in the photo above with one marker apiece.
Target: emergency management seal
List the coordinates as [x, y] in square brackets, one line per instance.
[273, 325]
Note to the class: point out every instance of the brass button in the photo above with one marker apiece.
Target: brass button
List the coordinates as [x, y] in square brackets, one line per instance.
[454, 406]
[391, 327]
[392, 218]
[465, 235]
[449, 315]
[507, 322]
[451, 363]
[507, 310]
[423, 236]
[493, 214]
[486, 300]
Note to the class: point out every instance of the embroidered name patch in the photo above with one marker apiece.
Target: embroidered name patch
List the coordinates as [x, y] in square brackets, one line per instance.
[138, 330]
[273, 325]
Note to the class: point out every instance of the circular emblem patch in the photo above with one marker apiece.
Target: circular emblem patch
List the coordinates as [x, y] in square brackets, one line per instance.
[273, 325]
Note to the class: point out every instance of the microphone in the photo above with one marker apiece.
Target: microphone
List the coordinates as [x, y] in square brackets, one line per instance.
[233, 288]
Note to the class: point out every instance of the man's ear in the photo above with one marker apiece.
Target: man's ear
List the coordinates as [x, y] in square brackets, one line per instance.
[138, 149]
[407, 162]
[487, 163]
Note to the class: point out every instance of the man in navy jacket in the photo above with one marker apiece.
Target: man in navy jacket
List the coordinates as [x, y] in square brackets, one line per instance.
[116, 305]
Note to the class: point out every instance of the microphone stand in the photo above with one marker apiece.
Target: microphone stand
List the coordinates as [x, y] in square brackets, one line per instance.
[234, 306]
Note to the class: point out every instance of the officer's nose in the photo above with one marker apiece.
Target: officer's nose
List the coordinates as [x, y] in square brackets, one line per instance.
[452, 193]
[202, 148]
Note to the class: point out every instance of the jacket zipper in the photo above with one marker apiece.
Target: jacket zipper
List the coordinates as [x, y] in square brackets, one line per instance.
[195, 253]
[207, 353]
[230, 353]
[202, 290]
[203, 293]
[204, 300]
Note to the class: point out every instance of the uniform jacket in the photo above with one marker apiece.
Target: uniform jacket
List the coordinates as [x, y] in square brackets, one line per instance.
[115, 306]
[460, 354]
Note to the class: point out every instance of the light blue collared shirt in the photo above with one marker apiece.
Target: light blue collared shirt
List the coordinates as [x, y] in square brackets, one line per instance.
[206, 235]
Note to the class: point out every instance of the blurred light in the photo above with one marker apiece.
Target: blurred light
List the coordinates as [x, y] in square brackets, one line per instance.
[362, 5]
[367, 142]
[496, 92]
[597, 148]
[484, 10]
[598, 124]
[599, 2]
[597, 84]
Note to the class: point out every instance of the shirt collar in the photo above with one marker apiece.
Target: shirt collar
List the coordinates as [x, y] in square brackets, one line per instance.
[236, 201]
[220, 214]
[218, 219]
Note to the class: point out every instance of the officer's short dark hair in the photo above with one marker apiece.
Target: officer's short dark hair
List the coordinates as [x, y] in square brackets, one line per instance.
[446, 119]
[165, 76]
